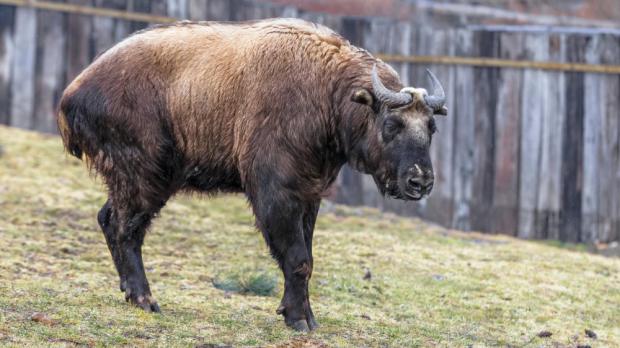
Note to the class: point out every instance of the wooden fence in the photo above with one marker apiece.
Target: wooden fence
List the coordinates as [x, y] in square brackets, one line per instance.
[525, 151]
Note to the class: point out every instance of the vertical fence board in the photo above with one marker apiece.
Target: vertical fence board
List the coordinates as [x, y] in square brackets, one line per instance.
[197, 10]
[121, 27]
[484, 96]
[439, 206]
[608, 152]
[78, 45]
[592, 123]
[50, 69]
[140, 6]
[177, 9]
[572, 155]
[7, 16]
[103, 30]
[463, 135]
[549, 188]
[159, 7]
[23, 68]
[534, 98]
[507, 120]
[219, 10]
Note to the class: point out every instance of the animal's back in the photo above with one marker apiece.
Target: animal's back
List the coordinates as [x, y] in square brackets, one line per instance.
[188, 96]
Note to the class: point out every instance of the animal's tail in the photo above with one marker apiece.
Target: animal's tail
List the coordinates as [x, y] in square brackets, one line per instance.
[65, 119]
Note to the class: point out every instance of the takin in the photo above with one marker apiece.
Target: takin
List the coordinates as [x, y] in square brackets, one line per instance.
[270, 108]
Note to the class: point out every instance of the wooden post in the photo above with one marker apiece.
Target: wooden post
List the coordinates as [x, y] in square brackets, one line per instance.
[178, 9]
[533, 114]
[218, 10]
[50, 79]
[505, 218]
[593, 116]
[484, 95]
[23, 68]
[464, 142]
[608, 151]
[550, 181]
[7, 16]
[197, 10]
[439, 205]
[572, 145]
[78, 53]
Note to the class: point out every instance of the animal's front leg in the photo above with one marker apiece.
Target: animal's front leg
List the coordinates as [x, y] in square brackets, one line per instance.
[283, 228]
[310, 214]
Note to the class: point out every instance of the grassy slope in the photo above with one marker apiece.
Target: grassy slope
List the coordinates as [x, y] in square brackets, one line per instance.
[430, 287]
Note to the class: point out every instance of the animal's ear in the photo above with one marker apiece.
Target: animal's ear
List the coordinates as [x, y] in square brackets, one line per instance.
[362, 96]
[442, 112]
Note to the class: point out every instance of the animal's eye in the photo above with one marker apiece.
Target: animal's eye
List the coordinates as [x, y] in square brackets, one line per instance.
[391, 127]
[432, 127]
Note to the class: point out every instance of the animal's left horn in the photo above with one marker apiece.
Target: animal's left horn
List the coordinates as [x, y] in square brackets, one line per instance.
[390, 98]
[436, 100]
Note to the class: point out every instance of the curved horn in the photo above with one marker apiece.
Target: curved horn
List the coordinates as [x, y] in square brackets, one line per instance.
[391, 99]
[437, 100]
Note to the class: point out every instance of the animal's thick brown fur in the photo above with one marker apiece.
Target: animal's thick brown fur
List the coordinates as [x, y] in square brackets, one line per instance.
[262, 108]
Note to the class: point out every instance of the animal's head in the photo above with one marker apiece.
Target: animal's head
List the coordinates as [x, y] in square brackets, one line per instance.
[398, 139]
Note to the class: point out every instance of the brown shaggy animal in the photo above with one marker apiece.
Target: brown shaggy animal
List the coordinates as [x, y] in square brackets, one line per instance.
[271, 108]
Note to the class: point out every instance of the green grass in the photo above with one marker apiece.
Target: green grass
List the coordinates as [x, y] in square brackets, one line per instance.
[429, 286]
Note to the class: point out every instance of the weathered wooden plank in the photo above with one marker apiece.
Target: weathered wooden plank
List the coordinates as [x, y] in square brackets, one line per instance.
[572, 145]
[122, 28]
[219, 10]
[439, 205]
[79, 52]
[50, 69]
[533, 114]
[592, 132]
[549, 188]
[464, 135]
[608, 152]
[159, 7]
[505, 218]
[103, 29]
[178, 9]
[7, 16]
[197, 10]
[485, 101]
[23, 68]
[422, 41]
[140, 6]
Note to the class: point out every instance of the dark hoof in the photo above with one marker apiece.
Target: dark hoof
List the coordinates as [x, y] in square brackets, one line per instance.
[313, 324]
[304, 325]
[299, 325]
[146, 302]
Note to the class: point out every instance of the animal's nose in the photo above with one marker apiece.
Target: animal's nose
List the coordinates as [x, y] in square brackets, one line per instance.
[420, 183]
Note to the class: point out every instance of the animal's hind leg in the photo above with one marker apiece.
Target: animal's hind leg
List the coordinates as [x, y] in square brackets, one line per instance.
[133, 222]
[109, 225]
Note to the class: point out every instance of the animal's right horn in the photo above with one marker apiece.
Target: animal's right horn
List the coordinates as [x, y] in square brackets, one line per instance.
[384, 95]
[436, 100]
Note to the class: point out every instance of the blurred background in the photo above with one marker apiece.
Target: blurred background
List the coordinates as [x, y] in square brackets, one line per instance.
[531, 145]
